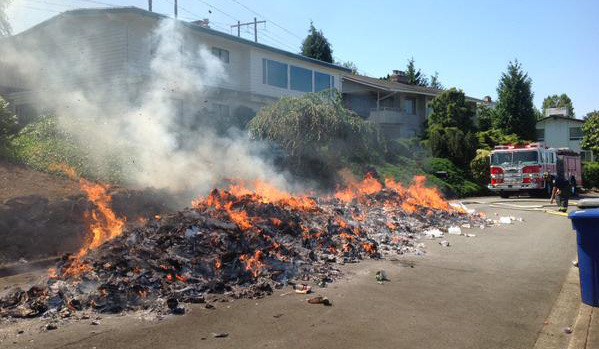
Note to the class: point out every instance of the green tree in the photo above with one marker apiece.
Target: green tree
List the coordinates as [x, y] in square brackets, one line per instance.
[5, 27]
[8, 123]
[316, 46]
[450, 109]
[515, 110]
[485, 116]
[561, 101]
[318, 133]
[415, 76]
[479, 167]
[451, 130]
[590, 129]
[349, 65]
[490, 138]
[435, 83]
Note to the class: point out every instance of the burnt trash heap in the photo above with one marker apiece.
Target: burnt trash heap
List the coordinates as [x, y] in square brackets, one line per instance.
[238, 243]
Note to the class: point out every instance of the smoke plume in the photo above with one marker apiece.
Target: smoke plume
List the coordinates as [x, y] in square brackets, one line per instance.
[158, 134]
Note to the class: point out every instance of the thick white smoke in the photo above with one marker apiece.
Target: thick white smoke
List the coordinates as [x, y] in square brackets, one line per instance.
[156, 142]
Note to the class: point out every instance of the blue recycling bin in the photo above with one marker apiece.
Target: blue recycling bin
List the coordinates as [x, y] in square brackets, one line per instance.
[586, 223]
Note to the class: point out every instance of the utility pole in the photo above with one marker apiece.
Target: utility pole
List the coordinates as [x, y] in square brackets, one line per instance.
[150, 5]
[254, 23]
[176, 8]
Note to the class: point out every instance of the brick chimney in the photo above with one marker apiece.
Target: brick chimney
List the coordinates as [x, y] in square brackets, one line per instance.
[399, 76]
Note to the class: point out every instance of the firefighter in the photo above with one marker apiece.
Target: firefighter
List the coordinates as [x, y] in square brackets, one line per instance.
[561, 192]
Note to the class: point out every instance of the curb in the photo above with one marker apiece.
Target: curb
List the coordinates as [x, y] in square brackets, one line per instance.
[581, 330]
[554, 334]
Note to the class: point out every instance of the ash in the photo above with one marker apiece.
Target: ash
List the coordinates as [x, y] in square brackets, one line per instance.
[230, 246]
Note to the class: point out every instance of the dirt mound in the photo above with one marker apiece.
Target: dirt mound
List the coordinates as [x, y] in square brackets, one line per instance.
[42, 215]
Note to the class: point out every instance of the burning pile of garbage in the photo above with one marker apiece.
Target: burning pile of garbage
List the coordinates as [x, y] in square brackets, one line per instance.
[243, 241]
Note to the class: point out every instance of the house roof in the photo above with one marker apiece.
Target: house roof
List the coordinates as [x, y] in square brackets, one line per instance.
[392, 86]
[141, 12]
[555, 117]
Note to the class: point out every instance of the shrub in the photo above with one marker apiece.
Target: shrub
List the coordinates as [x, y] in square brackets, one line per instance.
[457, 180]
[490, 138]
[42, 145]
[480, 167]
[319, 135]
[453, 144]
[8, 123]
[590, 174]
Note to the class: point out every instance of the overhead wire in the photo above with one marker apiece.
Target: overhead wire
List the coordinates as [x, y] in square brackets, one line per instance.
[269, 20]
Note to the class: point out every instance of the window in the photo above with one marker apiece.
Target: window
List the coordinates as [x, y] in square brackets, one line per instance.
[274, 73]
[300, 79]
[540, 134]
[221, 53]
[575, 133]
[410, 106]
[221, 109]
[322, 81]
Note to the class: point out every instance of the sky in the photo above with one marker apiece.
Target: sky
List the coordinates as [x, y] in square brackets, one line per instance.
[468, 42]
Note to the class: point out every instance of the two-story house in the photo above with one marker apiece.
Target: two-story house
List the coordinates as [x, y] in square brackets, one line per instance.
[400, 109]
[559, 130]
[117, 45]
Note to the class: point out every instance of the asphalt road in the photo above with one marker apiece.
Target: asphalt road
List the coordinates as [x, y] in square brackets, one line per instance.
[494, 290]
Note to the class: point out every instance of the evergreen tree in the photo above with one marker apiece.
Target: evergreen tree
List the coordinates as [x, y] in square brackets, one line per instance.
[515, 112]
[435, 83]
[561, 101]
[451, 130]
[590, 129]
[415, 76]
[316, 46]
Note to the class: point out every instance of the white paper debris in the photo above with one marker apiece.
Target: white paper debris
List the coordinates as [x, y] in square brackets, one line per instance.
[444, 243]
[466, 226]
[505, 220]
[434, 233]
[454, 231]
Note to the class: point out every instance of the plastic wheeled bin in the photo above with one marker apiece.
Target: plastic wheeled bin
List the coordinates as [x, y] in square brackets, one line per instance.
[586, 223]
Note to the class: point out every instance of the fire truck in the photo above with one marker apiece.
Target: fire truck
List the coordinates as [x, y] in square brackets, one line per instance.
[531, 168]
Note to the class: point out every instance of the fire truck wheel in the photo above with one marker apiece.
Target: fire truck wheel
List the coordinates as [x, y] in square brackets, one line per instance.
[504, 194]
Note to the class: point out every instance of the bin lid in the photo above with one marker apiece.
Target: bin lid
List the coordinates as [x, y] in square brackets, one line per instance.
[589, 203]
[591, 213]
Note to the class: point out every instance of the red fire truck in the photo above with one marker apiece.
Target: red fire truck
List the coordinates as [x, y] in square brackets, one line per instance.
[531, 168]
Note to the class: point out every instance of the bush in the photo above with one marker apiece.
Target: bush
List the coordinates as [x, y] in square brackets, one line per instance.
[453, 144]
[319, 135]
[457, 180]
[410, 148]
[8, 123]
[42, 145]
[490, 138]
[590, 175]
[480, 167]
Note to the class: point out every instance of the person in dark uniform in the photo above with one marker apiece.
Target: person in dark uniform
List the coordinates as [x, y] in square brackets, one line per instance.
[561, 192]
[573, 185]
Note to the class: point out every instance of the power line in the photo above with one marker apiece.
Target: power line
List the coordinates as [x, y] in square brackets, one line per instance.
[217, 9]
[271, 21]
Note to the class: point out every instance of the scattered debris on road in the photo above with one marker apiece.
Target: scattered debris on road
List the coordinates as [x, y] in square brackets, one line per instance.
[235, 243]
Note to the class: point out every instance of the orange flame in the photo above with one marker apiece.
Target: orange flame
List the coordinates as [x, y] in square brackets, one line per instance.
[103, 223]
[253, 263]
[356, 190]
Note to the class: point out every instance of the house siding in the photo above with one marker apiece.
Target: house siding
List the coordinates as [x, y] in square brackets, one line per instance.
[557, 133]
[116, 47]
